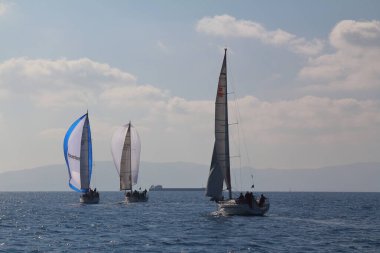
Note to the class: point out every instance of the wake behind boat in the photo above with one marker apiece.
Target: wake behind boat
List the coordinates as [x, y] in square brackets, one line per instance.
[220, 163]
[77, 149]
[126, 148]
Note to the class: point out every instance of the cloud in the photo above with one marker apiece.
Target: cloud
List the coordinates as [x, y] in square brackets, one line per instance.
[3, 8]
[48, 95]
[356, 35]
[310, 119]
[353, 66]
[133, 95]
[228, 26]
[59, 83]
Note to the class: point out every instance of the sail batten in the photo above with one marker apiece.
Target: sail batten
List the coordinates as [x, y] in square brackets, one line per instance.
[220, 163]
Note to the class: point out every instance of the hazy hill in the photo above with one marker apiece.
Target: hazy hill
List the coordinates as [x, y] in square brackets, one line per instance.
[353, 177]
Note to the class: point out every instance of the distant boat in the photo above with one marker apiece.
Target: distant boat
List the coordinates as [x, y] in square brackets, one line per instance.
[156, 188]
[77, 149]
[220, 163]
[126, 148]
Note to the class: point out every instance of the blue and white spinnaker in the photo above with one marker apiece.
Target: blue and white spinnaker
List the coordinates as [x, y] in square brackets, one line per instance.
[77, 148]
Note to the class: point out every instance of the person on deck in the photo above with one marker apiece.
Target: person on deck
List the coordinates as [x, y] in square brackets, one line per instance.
[241, 198]
[262, 200]
[248, 197]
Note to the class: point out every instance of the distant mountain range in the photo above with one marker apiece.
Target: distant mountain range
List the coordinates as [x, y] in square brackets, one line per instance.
[354, 177]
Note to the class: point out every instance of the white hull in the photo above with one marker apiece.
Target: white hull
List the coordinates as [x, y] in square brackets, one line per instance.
[231, 207]
[89, 200]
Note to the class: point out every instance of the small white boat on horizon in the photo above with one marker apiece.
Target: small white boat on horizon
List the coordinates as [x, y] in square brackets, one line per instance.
[126, 149]
[220, 163]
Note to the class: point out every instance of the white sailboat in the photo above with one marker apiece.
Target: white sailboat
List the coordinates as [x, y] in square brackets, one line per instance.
[220, 163]
[126, 148]
[77, 149]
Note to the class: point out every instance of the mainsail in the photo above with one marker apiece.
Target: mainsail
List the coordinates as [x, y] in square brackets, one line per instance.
[77, 148]
[220, 163]
[126, 148]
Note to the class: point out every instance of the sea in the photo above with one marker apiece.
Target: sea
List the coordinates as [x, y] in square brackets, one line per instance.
[186, 221]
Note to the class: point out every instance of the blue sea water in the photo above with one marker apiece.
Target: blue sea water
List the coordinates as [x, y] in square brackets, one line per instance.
[186, 222]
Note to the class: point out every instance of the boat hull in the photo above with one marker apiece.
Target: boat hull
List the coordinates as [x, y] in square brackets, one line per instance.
[133, 199]
[231, 207]
[89, 200]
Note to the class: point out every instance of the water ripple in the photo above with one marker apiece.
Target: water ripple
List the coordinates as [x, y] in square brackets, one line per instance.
[188, 222]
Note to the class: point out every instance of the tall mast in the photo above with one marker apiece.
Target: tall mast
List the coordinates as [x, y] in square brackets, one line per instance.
[228, 171]
[130, 154]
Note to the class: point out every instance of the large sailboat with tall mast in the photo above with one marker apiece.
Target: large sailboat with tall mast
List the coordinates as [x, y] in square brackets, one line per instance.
[126, 148]
[220, 163]
[77, 149]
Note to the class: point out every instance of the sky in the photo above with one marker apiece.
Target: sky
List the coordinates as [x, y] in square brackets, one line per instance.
[303, 75]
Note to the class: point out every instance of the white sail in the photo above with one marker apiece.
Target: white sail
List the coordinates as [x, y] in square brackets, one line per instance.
[126, 148]
[77, 148]
[220, 163]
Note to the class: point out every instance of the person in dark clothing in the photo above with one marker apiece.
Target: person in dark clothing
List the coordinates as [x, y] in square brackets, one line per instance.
[241, 198]
[262, 200]
[248, 198]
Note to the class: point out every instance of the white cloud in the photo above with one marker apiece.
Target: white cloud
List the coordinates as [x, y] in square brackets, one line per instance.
[310, 119]
[3, 8]
[305, 125]
[60, 83]
[355, 35]
[354, 64]
[133, 95]
[229, 26]
[51, 94]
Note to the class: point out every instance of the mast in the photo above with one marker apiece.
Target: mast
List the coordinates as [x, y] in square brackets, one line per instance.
[228, 164]
[130, 155]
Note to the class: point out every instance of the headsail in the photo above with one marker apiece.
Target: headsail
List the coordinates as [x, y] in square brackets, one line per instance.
[77, 148]
[126, 148]
[220, 164]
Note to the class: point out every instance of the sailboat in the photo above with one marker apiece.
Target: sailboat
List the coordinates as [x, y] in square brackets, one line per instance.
[77, 149]
[126, 148]
[220, 163]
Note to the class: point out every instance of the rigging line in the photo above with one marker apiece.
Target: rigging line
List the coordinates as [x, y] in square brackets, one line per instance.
[243, 133]
[237, 123]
